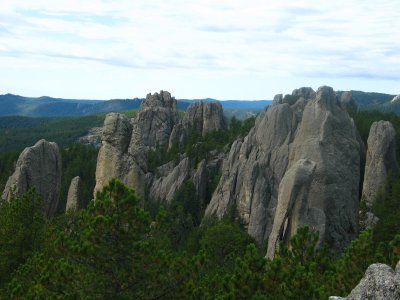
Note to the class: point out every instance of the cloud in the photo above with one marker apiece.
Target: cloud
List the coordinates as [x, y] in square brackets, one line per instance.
[297, 38]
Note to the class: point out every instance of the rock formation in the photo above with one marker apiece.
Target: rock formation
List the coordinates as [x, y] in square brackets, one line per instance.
[203, 117]
[379, 282]
[292, 195]
[92, 138]
[38, 167]
[314, 146]
[395, 99]
[73, 194]
[347, 101]
[305, 92]
[381, 159]
[127, 143]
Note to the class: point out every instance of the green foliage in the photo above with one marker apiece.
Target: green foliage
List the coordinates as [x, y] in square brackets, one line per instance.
[108, 251]
[78, 160]
[16, 133]
[21, 231]
[198, 147]
[223, 242]
[291, 99]
[7, 166]
[386, 208]
[364, 119]
[113, 249]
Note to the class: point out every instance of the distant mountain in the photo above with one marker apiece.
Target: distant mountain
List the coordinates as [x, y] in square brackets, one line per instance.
[375, 101]
[14, 105]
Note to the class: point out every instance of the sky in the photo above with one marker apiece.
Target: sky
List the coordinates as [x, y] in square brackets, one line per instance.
[223, 49]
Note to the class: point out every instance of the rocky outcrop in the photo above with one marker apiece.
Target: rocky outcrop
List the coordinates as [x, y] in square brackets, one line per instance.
[165, 187]
[38, 167]
[73, 201]
[305, 92]
[379, 282]
[114, 159]
[316, 129]
[154, 123]
[128, 143]
[203, 117]
[381, 159]
[347, 101]
[292, 195]
[395, 99]
[92, 138]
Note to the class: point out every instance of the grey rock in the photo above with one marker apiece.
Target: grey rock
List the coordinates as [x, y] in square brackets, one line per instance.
[200, 180]
[201, 116]
[38, 167]
[92, 138]
[205, 117]
[292, 202]
[395, 99]
[127, 142]
[155, 121]
[379, 282]
[278, 99]
[381, 159]
[113, 160]
[347, 101]
[73, 201]
[317, 129]
[305, 92]
[165, 187]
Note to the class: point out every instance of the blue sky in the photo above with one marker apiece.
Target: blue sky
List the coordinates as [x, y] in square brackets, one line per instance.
[225, 49]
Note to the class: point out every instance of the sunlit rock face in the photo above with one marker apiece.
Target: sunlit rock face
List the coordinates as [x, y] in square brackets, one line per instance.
[299, 165]
[38, 167]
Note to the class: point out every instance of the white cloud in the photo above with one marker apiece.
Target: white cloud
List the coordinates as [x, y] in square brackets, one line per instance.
[292, 39]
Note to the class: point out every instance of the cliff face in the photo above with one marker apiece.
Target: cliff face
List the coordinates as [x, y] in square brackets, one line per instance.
[381, 159]
[126, 144]
[313, 143]
[38, 167]
[203, 117]
[73, 201]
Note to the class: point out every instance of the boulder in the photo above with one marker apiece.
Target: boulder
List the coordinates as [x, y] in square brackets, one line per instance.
[381, 159]
[73, 202]
[379, 282]
[317, 129]
[38, 167]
